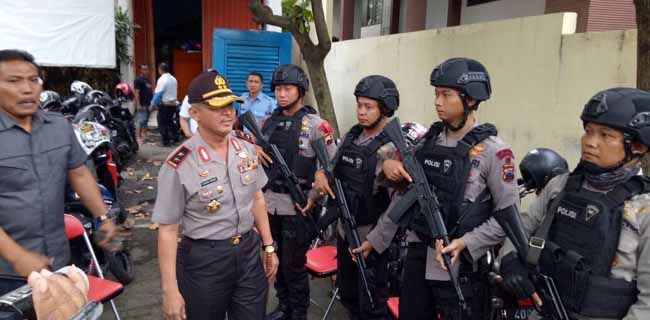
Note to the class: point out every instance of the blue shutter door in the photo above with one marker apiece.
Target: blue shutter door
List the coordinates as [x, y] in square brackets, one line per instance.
[237, 52]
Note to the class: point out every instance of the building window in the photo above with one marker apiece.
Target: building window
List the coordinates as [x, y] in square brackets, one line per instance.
[477, 2]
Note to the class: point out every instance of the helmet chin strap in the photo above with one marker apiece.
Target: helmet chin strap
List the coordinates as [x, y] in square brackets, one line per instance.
[291, 104]
[463, 120]
[374, 124]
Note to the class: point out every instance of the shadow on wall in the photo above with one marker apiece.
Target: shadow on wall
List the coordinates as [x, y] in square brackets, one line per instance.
[59, 78]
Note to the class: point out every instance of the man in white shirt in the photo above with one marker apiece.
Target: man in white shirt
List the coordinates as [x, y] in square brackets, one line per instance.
[165, 99]
[188, 125]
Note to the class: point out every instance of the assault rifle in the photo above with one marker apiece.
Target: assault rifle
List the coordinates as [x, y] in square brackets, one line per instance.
[421, 193]
[349, 224]
[291, 182]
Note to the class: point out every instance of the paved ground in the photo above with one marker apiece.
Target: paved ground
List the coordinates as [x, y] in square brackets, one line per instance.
[142, 298]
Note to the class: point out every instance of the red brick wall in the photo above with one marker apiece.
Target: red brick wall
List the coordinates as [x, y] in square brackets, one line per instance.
[611, 15]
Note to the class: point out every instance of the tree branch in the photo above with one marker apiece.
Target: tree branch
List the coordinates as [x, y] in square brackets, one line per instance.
[262, 16]
[324, 40]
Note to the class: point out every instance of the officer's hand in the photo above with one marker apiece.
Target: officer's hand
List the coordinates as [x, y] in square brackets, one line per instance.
[28, 261]
[173, 306]
[394, 171]
[516, 279]
[106, 232]
[150, 108]
[322, 185]
[454, 248]
[265, 159]
[365, 249]
[55, 296]
[308, 206]
[271, 264]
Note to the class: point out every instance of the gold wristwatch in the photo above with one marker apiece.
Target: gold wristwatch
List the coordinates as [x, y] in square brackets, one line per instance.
[269, 249]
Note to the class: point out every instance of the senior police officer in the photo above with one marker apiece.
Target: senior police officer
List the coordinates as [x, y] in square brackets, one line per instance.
[473, 172]
[358, 166]
[291, 127]
[212, 186]
[39, 151]
[594, 224]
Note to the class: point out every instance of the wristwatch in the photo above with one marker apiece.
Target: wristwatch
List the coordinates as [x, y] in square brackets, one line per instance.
[104, 217]
[269, 249]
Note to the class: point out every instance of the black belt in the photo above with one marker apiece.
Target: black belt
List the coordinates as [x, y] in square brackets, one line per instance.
[232, 241]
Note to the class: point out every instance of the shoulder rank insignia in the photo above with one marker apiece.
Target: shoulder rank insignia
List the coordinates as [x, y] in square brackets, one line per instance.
[245, 136]
[178, 157]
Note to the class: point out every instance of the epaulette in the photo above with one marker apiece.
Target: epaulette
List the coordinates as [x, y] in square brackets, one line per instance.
[178, 157]
[245, 136]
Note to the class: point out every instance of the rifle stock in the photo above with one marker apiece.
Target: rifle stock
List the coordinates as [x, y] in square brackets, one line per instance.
[349, 222]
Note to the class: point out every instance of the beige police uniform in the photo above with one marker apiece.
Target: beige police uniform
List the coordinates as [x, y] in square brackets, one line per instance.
[632, 260]
[491, 159]
[219, 268]
[312, 128]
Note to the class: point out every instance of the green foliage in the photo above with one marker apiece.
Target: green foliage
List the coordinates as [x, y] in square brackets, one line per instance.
[124, 28]
[300, 12]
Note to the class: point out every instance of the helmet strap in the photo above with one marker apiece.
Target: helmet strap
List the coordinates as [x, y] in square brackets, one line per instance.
[375, 123]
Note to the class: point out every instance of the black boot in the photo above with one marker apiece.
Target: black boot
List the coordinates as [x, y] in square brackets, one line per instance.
[281, 312]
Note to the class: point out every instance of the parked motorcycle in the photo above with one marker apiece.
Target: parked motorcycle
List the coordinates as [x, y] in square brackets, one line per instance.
[118, 260]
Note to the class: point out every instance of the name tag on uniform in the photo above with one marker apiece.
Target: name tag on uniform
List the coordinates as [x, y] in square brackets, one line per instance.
[209, 181]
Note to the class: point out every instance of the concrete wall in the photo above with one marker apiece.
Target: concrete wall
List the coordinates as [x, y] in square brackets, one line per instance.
[502, 9]
[437, 11]
[541, 78]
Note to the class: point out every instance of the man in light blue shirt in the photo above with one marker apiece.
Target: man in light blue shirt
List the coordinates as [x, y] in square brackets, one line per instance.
[261, 104]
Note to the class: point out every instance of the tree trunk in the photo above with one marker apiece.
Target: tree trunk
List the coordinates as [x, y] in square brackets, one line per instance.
[322, 92]
[643, 56]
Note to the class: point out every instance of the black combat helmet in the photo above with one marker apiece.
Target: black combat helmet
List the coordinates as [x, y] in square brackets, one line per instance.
[625, 109]
[381, 89]
[466, 75]
[290, 74]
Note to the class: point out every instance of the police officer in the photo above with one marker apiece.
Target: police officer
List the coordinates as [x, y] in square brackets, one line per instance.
[358, 165]
[212, 186]
[291, 127]
[39, 153]
[473, 172]
[593, 223]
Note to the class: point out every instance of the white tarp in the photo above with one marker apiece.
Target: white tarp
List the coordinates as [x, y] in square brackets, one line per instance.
[77, 33]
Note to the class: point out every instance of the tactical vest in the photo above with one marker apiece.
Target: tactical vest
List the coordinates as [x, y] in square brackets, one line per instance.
[284, 132]
[583, 240]
[355, 166]
[447, 169]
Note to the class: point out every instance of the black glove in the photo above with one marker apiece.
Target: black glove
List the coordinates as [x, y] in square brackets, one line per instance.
[515, 277]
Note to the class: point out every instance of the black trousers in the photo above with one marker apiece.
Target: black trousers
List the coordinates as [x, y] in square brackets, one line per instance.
[351, 289]
[165, 123]
[292, 281]
[216, 277]
[422, 299]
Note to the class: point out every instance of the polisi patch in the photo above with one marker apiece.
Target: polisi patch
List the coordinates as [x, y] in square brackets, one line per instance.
[567, 212]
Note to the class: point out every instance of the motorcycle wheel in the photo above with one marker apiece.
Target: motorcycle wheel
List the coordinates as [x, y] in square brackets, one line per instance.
[121, 266]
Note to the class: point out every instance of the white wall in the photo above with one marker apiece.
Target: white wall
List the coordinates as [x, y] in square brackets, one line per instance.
[541, 78]
[502, 9]
[437, 11]
[276, 6]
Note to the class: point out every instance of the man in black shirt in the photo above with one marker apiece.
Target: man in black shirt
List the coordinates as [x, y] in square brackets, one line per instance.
[143, 96]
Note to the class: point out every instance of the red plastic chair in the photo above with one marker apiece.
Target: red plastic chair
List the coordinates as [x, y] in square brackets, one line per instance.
[393, 306]
[100, 289]
[321, 263]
